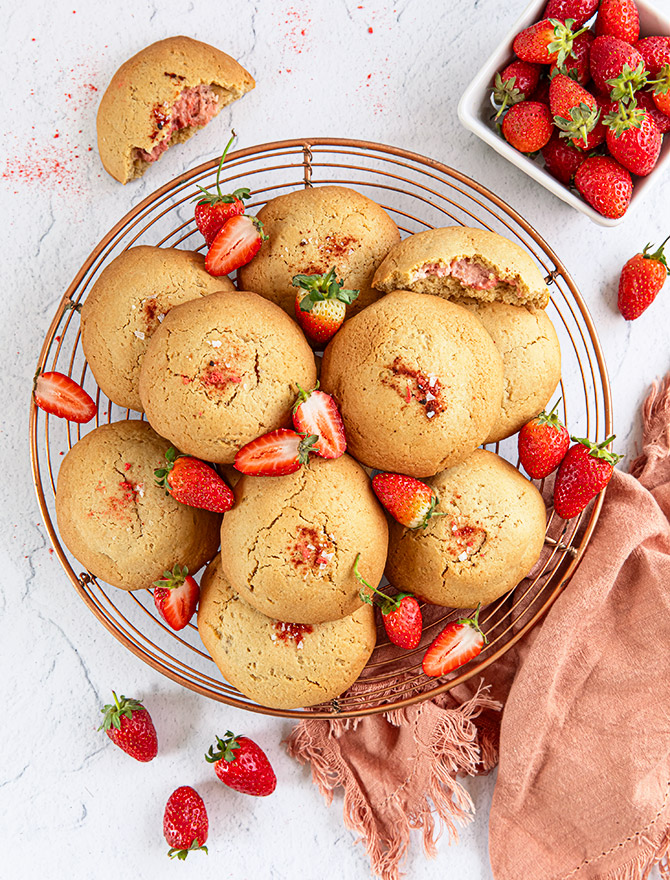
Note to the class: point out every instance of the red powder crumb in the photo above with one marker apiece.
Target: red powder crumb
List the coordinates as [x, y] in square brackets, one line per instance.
[369, 30]
[311, 550]
[290, 632]
[127, 466]
[58, 339]
[296, 35]
[52, 167]
[51, 551]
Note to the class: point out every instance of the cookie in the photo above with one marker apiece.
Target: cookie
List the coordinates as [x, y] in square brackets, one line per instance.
[126, 304]
[277, 664]
[531, 355]
[114, 518]
[311, 230]
[289, 544]
[490, 537]
[418, 381]
[160, 97]
[221, 370]
[458, 262]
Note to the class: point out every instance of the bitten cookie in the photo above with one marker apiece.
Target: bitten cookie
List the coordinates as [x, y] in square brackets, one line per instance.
[418, 381]
[458, 262]
[162, 96]
[128, 302]
[116, 521]
[531, 355]
[222, 370]
[289, 544]
[280, 665]
[490, 537]
[311, 230]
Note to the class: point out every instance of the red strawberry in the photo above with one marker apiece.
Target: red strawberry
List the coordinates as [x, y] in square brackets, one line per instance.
[543, 442]
[129, 726]
[408, 500]
[541, 93]
[578, 10]
[236, 244]
[577, 65]
[549, 41]
[661, 94]
[615, 60]
[176, 597]
[562, 159]
[242, 765]
[458, 643]
[213, 209]
[646, 102]
[655, 52]
[618, 18]
[275, 454]
[401, 613]
[191, 481]
[528, 126]
[634, 139]
[516, 83]
[575, 110]
[585, 471]
[59, 395]
[606, 185]
[641, 281]
[316, 413]
[321, 304]
[185, 823]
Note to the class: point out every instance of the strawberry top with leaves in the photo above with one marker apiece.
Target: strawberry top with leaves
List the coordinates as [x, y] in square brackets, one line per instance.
[642, 279]
[213, 209]
[549, 41]
[516, 83]
[129, 726]
[576, 65]
[408, 500]
[457, 644]
[574, 109]
[241, 764]
[614, 59]
[634, 139]
[586, 469]
[185, 822]
[316, 413]
[191, 481]
[542, 443]
[61, 396]
[401, 613]
[320, 304]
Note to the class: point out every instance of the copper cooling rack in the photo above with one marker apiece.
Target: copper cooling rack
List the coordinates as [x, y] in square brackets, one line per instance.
[418, 193]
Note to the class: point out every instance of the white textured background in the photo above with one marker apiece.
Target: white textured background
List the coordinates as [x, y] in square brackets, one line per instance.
[71, 804]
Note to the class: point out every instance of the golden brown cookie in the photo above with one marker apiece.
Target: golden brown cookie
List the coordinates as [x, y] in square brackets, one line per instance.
[162, 96]
[277, 664]
[418, 381]
[489, 539]
[126, 304]
[289, 544]
[459, 262]
[114, 518]
[531, 355]
[222, 370]
[311, 230]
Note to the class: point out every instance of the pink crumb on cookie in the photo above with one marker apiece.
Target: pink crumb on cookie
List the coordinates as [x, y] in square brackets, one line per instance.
[464, 540]
[195, 106]
[413, 384]
[311, 550]
[290, 632]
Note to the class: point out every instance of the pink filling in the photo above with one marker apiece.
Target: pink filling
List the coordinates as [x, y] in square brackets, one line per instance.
[471, 274]
[194, 107]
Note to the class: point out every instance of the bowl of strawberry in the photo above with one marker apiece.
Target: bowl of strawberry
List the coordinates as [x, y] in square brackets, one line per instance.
[578, 97]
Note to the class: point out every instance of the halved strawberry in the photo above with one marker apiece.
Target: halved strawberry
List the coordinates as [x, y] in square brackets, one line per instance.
[280, 452]
[213, 209]
[408, 500]
[176, 597]
[321, 304]
[237, 243]
[458, 643]
[401, 613]
[316, 412]
[60, 395]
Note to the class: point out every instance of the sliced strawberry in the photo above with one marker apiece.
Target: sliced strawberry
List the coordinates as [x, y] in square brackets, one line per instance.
[316, 412]
[60, 395]
[237, 243]
[176, 597]
[409, 501]
[458, 643]
[280, 452]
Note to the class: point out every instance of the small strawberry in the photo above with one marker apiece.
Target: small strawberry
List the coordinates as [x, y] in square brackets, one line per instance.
[60, 396]
[458, 643]
[616, 67]
[578, 10]
[586, 469]
[646, 102]
[655, 51]
[321, 304]
[577, 65]
[191, 481]
[574, 109]
[634, 139]
[176, 597]
[516, 83]
[661, 93]
[242, 765]
[541, 93]
[618, 18]
[185, 823]
[235, 244]
[549, 41]
[280, 452]
[408, 500]
[213, 209]
[543, 442]
[641, 281]
[401, 613]
[528, 126]
[562, 159]
[316, 413]
[129, 726]
[606, 185]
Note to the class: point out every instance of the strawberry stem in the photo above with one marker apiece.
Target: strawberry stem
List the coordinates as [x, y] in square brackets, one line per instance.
[226, 749]
[659, 255]
[474, 623]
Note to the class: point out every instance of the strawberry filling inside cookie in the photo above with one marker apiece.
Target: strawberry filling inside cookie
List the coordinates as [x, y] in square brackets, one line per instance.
[471, 274]
[194, 107]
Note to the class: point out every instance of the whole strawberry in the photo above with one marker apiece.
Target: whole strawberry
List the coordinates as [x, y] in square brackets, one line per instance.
[515, 83]
[661, 93]
[176, 597]
[408, 500]
[457, 644]
[618, 18]
[129, 726]
[542, 444]
[577, 65]
[242, 765]
[633, 139]
[574, 109]
[606, 185]
[213, 209]
[191, 481]
[185, 823]
[616, 67]
[645, 101]
[549, 41]
[655, 51]
[321, 305]
[578, 10]
[401, 614]
[562, 159]
[586, 469]
[642, 279]
[528, 126]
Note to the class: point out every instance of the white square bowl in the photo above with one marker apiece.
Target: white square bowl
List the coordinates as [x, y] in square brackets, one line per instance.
[475, 112]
